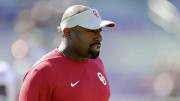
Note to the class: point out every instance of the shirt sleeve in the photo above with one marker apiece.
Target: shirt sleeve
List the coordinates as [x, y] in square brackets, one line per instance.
[35, 87]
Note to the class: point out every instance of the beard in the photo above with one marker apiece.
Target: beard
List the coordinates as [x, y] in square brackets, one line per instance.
[92, 54]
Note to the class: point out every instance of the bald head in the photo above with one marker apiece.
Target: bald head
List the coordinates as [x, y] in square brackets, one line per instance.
[73, 10]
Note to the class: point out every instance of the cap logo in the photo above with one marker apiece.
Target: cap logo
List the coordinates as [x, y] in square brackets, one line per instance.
[95, 13]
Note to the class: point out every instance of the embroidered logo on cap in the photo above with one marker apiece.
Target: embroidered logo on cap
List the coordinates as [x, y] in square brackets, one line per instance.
[95, 13]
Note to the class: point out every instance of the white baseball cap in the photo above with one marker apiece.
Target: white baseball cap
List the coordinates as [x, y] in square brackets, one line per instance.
[89, 19]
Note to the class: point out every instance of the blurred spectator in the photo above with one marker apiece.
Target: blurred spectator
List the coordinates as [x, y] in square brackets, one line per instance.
[7, 83]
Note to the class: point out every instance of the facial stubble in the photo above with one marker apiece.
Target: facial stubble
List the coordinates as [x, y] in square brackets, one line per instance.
[91, 53]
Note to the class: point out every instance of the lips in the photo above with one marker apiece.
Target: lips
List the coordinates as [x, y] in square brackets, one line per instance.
[96, 46]
[95, 43]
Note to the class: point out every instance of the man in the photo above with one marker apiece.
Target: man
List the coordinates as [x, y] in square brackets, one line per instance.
[73, 71]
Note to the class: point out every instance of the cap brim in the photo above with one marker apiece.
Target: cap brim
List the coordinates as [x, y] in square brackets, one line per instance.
[96, 24]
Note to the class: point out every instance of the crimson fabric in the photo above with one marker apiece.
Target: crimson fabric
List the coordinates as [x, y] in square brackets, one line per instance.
[58, 78]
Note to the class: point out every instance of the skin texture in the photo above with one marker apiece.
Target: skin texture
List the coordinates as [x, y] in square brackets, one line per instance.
[86, 42]
[79, 43]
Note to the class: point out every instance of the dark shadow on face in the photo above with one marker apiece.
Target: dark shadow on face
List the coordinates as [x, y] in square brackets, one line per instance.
[92, 54]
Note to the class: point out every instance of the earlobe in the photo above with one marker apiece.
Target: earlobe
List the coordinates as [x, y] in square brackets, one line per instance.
[67, 33]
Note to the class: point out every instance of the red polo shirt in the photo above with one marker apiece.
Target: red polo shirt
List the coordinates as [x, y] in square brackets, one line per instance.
[58, 78]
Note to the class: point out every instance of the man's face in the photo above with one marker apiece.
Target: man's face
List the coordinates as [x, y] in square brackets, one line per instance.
[87, 42]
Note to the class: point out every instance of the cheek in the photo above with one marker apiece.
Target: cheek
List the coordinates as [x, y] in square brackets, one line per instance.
[84, 44]
[81, 43]
[82, 40]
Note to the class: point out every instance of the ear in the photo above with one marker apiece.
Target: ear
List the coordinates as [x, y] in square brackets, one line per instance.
[67, 33]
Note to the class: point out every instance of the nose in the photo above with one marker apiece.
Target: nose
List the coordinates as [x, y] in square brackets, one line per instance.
[98, 36]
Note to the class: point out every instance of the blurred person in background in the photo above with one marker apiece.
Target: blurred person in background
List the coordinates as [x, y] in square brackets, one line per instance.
[7, 83]
[73, 71]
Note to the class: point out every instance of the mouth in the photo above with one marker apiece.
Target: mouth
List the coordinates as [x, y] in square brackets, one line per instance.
[96, 46]
[94, 50]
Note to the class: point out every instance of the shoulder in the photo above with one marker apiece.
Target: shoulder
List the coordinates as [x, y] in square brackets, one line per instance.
[39, 71]
[46, 66]
[49, 61]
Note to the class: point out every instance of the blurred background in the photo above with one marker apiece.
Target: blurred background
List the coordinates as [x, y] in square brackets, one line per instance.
[141, 54]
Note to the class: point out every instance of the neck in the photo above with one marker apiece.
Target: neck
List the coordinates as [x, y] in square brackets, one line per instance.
[68, 51]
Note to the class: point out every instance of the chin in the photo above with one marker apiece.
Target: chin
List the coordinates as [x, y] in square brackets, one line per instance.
[93, 55]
